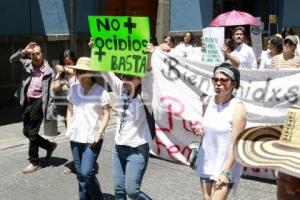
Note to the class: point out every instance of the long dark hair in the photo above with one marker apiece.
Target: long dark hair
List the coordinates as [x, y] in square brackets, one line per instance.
[67, 53]
[277, 42]
[138, 90]
[287, 31]
[170, 37]
[192, 41]
[230, 44]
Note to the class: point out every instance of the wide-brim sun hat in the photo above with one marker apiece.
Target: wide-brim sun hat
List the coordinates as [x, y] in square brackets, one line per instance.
[83, 63]
[273, 147]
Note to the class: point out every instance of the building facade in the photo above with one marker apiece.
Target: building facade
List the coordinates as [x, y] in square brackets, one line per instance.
[61, 24]
[55, 25]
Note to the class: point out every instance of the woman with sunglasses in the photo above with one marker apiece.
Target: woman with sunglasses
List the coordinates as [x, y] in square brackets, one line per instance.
[87, 117]
[131, 149]
[224, 119]
[287, 59]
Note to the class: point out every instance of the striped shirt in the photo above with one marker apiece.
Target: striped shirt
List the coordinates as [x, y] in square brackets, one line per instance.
[279, 62]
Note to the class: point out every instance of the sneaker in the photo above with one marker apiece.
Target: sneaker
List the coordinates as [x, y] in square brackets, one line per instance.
[50, 151]
[31, 168]
[70, 168]
[68, 171]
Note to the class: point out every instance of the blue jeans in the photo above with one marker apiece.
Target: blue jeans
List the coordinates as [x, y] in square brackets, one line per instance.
[129, 166]
[84, 160]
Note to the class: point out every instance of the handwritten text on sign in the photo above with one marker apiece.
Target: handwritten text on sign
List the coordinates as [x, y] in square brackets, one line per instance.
[213, 40]
[120, 43]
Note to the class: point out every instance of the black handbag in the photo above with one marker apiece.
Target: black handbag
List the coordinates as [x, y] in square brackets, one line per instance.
[150, 120]
[196, 145]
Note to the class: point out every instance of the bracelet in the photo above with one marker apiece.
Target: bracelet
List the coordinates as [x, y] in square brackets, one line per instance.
[226, 174]
[65, 71]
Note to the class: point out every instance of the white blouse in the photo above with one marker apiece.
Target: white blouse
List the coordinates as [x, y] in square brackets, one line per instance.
[132, 127]
[246, 56]
[266, 58]
[86, 112]
[184, 50]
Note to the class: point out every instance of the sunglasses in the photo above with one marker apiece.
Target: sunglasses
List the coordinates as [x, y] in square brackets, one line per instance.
[127, 77]
[222, 80]
[288, 42]
[79, 71]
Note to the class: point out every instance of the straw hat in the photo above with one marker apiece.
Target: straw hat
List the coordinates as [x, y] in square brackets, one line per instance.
[260, 147]
[83, 63]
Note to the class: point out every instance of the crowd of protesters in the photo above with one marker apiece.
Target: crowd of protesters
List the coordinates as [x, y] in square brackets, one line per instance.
[283, 50]
[45, 91]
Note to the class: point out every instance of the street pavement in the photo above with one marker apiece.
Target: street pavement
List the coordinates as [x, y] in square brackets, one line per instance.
[163, 180]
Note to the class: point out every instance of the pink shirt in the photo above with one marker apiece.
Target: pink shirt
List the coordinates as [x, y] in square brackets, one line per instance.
[35, 86]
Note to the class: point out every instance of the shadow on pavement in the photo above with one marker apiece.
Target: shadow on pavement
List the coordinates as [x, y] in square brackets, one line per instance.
[53, 162]
[108, 196]
[263, 180]
[71, 167]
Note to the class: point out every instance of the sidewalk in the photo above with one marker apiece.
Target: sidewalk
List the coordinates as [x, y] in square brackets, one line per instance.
[11, 135]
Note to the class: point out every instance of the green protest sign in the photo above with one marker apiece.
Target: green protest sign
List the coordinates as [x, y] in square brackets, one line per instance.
[120, 44]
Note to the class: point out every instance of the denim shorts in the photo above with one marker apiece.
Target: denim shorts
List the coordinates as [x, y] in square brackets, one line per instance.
[208, 180]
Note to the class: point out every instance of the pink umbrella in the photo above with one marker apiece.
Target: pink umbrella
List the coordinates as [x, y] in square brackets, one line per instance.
[234, 18]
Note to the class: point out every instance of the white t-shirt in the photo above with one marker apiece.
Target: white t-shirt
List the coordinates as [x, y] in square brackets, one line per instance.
[266, 58]
[132, 127]
[184, 50]
[246, 56]
[86, 112]
[297, 51]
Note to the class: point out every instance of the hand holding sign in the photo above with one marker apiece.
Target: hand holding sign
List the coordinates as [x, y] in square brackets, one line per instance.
[213, 38]
[120, 44]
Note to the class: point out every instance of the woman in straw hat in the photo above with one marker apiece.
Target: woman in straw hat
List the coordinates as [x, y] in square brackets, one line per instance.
[87, 117]
[260, 147]
[224, 119]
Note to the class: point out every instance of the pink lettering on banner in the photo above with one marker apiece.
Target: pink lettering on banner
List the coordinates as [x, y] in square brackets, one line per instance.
[255, 170]
[170, 103]
[172, 149]
[259, 172]
[174, 123]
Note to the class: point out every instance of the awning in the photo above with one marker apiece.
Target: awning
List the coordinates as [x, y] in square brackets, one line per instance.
[49, 17]
[190, 15]
[34, 17]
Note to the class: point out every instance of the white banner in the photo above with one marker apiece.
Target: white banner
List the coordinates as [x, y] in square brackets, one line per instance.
[179, 85]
